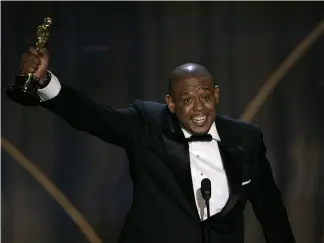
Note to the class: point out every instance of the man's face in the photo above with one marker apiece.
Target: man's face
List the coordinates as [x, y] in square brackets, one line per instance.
[194, 100]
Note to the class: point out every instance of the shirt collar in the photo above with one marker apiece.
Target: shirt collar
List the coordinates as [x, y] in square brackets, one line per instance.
[212, 131]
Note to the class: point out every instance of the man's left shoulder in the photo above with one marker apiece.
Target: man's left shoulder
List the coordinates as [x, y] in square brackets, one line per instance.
[237, 126]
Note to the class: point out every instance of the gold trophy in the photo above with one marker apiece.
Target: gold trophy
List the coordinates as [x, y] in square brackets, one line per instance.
[24, 90]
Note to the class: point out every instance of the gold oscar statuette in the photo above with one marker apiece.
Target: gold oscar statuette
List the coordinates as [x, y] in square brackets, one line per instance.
[24, 90]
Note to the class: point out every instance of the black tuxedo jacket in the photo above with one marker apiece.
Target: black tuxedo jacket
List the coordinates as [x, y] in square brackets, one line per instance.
[164, 209]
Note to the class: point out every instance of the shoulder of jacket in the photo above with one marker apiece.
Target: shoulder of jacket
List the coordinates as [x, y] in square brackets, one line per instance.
[152, 112]
[237, 124]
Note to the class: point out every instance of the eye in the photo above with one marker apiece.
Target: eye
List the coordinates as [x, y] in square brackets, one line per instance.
[206, 97]
[187, 100]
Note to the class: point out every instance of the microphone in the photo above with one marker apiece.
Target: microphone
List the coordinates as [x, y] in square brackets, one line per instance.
[206, 193]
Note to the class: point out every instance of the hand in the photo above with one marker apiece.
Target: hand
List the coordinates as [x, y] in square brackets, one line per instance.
[35, 62]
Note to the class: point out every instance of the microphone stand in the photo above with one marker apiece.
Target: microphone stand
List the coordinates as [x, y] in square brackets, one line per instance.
[206, 194]
[208, 240]
[208, 208]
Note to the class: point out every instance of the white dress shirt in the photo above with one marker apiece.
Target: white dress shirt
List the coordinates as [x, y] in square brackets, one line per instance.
[51, 90]
[205, 162]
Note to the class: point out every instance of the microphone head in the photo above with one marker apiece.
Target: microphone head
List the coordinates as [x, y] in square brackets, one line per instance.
[206, 188]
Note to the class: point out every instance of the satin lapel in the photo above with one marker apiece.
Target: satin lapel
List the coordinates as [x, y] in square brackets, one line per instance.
[232, 166]
[177, 149]
[233, 161]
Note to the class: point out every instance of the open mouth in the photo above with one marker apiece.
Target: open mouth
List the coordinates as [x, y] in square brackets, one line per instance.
[199, 120]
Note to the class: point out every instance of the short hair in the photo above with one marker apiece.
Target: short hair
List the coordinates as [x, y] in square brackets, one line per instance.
[185, 71]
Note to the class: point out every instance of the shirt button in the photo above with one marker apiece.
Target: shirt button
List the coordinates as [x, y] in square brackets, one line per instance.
[201, 174]
[198, 155]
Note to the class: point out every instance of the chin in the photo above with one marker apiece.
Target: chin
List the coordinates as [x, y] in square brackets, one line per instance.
[200, 130]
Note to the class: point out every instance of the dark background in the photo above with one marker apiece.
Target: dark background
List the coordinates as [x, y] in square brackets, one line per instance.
[119, 51]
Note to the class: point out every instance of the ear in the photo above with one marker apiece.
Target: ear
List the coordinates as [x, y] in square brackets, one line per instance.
[170, 103]
[216, 93]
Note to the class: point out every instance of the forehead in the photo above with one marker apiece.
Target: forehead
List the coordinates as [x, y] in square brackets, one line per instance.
[192, 84]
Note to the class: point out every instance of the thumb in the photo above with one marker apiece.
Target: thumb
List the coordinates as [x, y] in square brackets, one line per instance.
[43, 51]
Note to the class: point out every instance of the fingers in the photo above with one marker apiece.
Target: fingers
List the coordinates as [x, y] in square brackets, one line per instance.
[31, 58]
[35, 61]
[43, 51]
[30, 61]
[39, 53]
[34, 51]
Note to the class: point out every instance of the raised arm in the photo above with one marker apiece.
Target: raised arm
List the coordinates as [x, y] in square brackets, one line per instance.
[116, 126]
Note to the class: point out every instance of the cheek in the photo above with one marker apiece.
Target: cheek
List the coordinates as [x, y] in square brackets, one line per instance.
[183, 112]
[211, 105]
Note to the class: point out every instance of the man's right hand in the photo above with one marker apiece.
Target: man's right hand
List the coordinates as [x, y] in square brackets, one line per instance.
[35, 62]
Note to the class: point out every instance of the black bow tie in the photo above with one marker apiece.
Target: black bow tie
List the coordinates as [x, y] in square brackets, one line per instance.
[201, 138]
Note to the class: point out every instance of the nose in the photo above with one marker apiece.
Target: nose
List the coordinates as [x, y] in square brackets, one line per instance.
[198, 105]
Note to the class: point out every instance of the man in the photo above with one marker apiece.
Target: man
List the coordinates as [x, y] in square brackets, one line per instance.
[171, 149]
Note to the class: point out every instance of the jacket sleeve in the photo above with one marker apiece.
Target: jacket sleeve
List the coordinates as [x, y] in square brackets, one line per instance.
[116, 126]
[266, 200]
